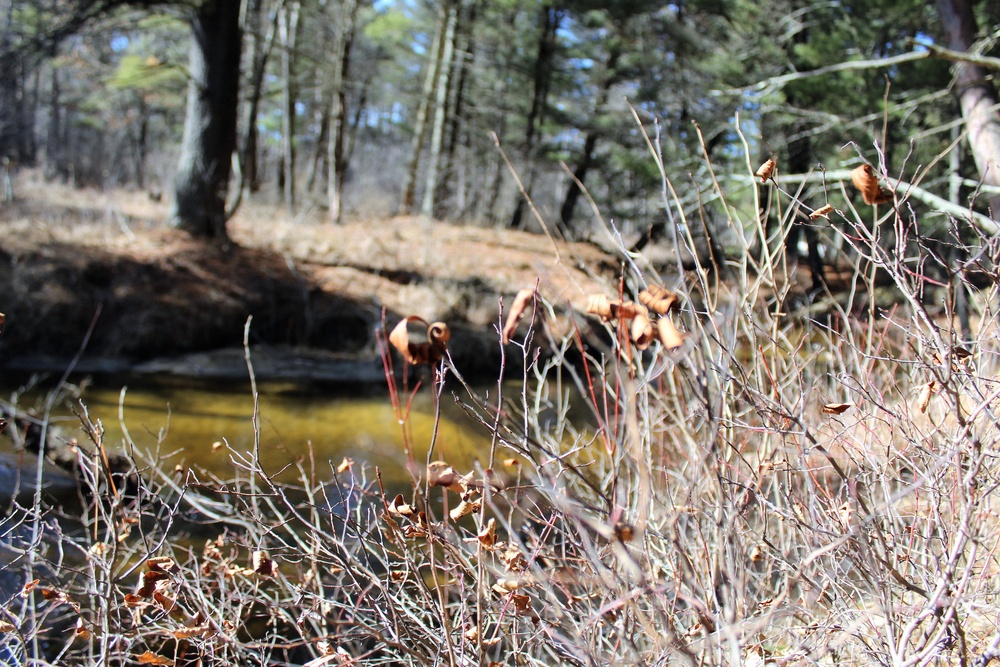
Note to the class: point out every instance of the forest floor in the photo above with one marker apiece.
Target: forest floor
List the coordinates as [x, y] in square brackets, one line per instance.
[155, 300]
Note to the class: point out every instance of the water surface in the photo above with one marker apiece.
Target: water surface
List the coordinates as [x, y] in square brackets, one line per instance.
[207, 427]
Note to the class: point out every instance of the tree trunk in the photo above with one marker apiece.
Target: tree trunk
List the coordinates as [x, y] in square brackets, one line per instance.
[551, 19]
[210, 125]
[408, 195]
[456, 126]
[338, 110]
[589, 145]
[976, 95]
[288, 27]
[141, 141]
[10, 116]
[261, 46]
[440, 110]
[580, 173]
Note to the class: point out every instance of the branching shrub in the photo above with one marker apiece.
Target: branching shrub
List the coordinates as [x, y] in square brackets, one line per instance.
[795, 478]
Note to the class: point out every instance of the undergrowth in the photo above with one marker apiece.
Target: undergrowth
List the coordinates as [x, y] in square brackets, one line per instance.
[799, 481]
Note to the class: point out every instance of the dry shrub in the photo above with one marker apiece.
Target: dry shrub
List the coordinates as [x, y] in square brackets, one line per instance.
[764, 488]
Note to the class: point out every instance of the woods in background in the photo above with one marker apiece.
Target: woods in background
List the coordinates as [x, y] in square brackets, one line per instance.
[375, 108]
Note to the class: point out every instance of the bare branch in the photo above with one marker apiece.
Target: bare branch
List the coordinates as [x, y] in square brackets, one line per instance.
[930, 51]
[982, 222]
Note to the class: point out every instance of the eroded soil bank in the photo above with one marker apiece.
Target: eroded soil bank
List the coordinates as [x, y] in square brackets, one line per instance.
[155, 300]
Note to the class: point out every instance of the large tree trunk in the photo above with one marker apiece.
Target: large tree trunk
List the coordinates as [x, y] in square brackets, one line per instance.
[210, 127]
[976, 95]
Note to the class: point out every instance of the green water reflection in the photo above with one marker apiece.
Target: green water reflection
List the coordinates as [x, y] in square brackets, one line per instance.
[179, 423]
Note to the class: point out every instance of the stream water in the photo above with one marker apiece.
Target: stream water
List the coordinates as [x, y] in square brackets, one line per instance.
[207, 427]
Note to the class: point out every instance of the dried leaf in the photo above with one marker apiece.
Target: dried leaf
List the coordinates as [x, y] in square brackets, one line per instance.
[166, 603]
[511, 463]
[513, 559]
[866, 182]
[133, 600]
[599, 305]
[150, 658]
[925, 395]
[28, 587]
[217, 445]
[194, 631]
[57, 596]
[346, 464]
[418, 353]
[658, 299]
[836, 408]
[624, 532]
[642, 332]
[670, 336]
[412, 531]
[821, 212]
[514, 582]
[488, 535]
[7, 627]
[399, 506]
[522, 603]
[766, 170]
[438, 334]
[517, 308]
[607, 310]
[161, 564]
[3, 321]
[440, 473]
[464, 509]
[263, 565]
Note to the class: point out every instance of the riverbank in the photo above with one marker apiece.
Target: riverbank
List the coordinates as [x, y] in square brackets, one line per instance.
[102, 273]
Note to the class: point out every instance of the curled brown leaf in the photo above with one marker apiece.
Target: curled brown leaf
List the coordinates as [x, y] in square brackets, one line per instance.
[399, 506]
[836, 408]
[517, 308]
[263, 565]
[866, 182]
[161, 564]
[642, 332]
[440, 473]
[607, 310]
[150, 658]
[924, 399]
[416, 353]
[658, 299]
[464, 508]
[766, 170]
[822, 212]
[670, 336]
[488, 535]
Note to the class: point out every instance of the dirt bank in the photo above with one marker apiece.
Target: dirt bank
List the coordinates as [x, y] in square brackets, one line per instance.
[157, 300]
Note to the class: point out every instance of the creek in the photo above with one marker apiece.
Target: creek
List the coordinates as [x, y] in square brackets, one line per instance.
[207, 426]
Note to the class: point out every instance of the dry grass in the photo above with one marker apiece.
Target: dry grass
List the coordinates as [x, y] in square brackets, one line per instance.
[708, 510]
